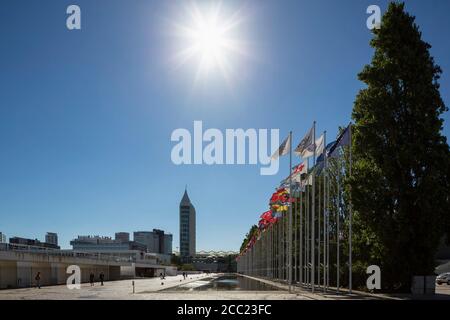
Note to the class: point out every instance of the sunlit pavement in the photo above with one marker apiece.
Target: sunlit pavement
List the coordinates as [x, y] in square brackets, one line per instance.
[154, 289]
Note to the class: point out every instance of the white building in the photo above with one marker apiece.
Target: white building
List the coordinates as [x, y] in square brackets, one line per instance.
[2, 237]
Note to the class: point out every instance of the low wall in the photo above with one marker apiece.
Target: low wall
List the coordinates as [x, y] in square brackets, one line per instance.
[20, 274]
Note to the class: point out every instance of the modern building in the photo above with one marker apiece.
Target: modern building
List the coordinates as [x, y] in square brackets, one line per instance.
[215, 261]
[104, 244]
[122, 236]
[32, 242]
[156, 241]
[187, 228]
[2, 237]
[131, 251]
[51, 238]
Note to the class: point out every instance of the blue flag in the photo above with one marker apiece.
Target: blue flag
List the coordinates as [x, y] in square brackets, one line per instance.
[342, 140]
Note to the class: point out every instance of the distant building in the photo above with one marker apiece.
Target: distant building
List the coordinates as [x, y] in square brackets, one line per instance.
[31, 242]
[51, 238]
[187, 228]
[215, 261]
[156, 241]
[122, 236]
[2, 237]
[104, 244]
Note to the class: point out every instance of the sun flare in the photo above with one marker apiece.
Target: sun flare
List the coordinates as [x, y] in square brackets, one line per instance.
[210, 39]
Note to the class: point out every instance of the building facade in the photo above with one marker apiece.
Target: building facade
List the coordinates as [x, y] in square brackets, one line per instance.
[32, 242]
[187, 228]
[122, 236]
[51, 238]
[104, 244]
[156, 241]
[2, 237]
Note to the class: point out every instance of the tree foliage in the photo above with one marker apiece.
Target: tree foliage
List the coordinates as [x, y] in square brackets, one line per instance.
[400, 185]
[248, 236]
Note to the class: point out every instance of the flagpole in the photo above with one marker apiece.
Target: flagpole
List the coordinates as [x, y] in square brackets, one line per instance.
[313, 262]
[337, 228]
[350, 222]
[307, 239]
[328, 226]
[290, 215]
[318, 234]
[325, 230]
[294, 239]
[301, 233]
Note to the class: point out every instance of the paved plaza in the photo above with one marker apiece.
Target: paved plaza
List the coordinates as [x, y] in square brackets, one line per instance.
[157, 289]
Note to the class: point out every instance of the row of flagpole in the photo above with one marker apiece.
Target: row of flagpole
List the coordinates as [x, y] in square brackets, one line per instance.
[270, 254]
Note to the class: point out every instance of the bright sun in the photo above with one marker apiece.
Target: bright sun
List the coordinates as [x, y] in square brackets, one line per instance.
[209, 39]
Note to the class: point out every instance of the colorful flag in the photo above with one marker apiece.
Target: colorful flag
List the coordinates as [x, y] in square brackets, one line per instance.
[297, 171]
[342, 140]
[283, 149]
[266, 216]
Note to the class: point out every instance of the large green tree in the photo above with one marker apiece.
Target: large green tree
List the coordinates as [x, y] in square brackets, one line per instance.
[400, 185]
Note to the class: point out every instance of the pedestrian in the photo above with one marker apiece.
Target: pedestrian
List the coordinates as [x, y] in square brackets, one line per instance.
[38, 280]
[91, 279]
[102, 277]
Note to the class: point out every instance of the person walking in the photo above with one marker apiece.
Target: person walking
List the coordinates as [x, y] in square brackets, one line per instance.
[102, 277]
[38, 280]
[91, 279]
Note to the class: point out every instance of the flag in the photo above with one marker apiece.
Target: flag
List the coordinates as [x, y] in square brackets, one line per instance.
[322, 156]
[297, 171]
[266, 216]
[319, 145]
[306, 142]
[283, 149]
[342, 140]
[301, 168]
[308, 180]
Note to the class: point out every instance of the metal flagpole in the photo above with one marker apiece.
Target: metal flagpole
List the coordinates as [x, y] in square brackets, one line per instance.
[318, 234]
[350, 222]
[271, 251]
[325, 230]
[301, 234]
[290, 215]
[328, 227]
[338, 211]
[294, 239]
[313, 261]
[280, 251]
[307, 234]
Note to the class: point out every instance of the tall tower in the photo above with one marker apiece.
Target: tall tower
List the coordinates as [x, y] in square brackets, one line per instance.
[187, 228]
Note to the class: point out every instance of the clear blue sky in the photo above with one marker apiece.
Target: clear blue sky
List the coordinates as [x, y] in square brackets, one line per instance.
[86, 116]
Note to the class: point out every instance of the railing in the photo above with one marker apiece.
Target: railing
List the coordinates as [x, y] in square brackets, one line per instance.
[20, 248]
[62, 253]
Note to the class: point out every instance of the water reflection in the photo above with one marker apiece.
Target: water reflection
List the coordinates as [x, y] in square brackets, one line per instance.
[224, 283]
